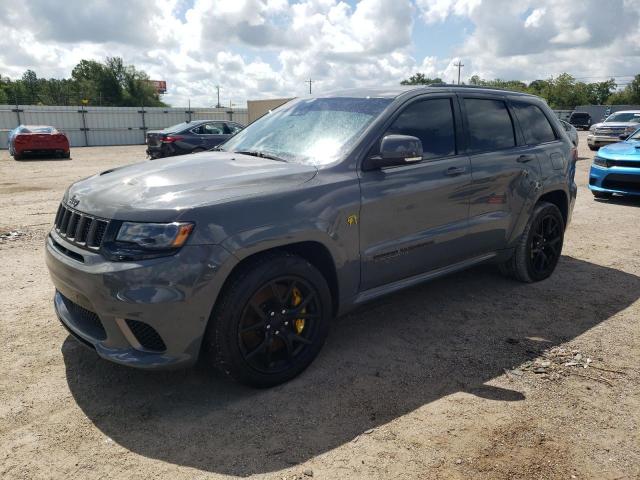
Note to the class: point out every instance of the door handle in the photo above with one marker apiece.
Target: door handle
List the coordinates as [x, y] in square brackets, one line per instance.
[525, 158]
[453, 171]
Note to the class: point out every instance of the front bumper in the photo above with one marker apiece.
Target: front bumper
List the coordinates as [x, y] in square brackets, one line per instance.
[600, 140]
[103, 303]
[623, 180]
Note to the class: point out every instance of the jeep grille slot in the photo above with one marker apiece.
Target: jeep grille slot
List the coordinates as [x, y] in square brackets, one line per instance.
[80, 229]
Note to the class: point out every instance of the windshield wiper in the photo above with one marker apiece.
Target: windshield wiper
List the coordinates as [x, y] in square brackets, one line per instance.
[255, 153]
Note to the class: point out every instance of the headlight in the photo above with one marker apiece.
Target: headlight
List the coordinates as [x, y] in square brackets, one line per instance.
[602, 162]
[138, 241]
[155, 236]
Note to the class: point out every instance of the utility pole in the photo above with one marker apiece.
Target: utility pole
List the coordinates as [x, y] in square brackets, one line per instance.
[459, 65]
[218, 104]
[309, 82]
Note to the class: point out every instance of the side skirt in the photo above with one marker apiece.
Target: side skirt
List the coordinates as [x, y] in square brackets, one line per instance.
[373, 293]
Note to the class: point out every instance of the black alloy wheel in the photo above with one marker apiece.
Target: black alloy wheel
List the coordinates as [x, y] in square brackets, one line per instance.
[545, 245]
[278, 324]
[270, 321]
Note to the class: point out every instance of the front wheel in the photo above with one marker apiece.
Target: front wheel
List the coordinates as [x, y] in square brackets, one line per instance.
[538, 250]
[270, 322]
[592, 148]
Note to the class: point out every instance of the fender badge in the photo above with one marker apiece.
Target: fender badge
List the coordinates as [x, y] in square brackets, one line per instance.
[74, 201]
[352, 220]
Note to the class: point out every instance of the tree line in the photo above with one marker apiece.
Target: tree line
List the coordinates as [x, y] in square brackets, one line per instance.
[561, 92]
[110, 83]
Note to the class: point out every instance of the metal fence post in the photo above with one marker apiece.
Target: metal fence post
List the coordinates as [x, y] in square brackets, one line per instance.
[84, 126]
[144, 125]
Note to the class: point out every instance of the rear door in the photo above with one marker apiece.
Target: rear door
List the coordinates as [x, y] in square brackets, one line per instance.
[413, 217]
[503, 171]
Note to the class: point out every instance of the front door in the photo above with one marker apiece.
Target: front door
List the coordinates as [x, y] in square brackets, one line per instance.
[413, 218]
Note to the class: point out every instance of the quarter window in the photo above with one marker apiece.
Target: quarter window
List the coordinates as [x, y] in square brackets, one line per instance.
[534, 123]
[432, 122]
[490, 125]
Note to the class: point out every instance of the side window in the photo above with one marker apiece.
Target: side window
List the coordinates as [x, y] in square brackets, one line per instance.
[490, 125]
[534, 123]
[432, 122]
[213, 128]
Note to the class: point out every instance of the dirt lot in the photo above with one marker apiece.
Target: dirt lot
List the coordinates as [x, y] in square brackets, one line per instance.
[436, 382]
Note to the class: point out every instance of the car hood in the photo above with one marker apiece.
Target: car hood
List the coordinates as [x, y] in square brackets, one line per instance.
[629, 150]
[616, 124]
[161, 189]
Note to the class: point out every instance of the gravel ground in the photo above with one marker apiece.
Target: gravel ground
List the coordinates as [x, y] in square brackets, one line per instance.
[471, 376]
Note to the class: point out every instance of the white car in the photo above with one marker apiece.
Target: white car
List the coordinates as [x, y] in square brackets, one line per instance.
[613, 129]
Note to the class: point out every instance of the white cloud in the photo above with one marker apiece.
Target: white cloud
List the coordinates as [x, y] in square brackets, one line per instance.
[260, 48]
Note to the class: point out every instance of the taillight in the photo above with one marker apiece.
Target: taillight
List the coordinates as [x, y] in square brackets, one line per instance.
[60, 138]
[20, 138]
[171, 139]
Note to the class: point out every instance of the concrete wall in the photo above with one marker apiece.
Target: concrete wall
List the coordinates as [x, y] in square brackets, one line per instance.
[258, 108]
[92, 126]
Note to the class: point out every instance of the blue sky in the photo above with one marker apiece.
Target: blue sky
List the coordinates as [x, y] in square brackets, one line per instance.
[268, 48]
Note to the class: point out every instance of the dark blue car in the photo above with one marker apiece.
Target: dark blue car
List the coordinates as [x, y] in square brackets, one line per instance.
[189, 137]
[616, 168]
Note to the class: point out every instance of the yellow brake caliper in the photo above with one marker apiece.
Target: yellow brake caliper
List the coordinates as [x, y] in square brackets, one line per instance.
[297, 300]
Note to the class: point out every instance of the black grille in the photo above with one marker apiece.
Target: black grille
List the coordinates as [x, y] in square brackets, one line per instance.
[628, 183]
[85, 319]
[146, 335]
[85, 231]
[623, 163]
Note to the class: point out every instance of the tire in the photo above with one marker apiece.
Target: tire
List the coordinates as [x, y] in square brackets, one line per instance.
[602, 195]
[17, 156]
[592, 148]
[527, 264]
[250, 339]
[66, 155]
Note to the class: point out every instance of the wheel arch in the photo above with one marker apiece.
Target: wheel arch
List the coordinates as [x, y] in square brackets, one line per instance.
[560, 199]
[315, 252]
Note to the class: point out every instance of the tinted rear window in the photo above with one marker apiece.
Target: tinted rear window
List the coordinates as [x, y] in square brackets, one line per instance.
[580, 116]
[535, 125]
[432, 122]
[490, 125]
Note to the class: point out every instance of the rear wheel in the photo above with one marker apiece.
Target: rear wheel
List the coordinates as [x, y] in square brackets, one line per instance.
[538, 250]
[271, 321]
[17, 156]
[602, 195]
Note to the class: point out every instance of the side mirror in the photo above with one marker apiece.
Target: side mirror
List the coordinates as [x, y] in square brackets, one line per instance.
[395, 150]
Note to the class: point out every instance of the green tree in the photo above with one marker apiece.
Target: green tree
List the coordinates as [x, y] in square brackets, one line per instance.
[420, 79]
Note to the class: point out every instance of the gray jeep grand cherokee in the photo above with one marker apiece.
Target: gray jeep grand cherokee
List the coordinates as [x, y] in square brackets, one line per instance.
[242, 256]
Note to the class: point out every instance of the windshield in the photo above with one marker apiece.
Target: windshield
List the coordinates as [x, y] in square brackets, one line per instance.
[635, 136]
[314, 131]
[179, 127]
[624, 117]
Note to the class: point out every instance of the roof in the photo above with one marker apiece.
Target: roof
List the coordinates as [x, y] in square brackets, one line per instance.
[396, 91]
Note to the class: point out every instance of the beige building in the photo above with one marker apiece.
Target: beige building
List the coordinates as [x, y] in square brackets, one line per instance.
[258, 108]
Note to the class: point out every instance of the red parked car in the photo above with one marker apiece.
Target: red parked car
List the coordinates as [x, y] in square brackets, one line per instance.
[38, 140]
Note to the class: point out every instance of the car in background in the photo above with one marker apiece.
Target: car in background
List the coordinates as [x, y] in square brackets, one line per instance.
[580, 120]
[189, 137]
[619, 123]
[571, 132]
[41, 140]
[616, 169]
